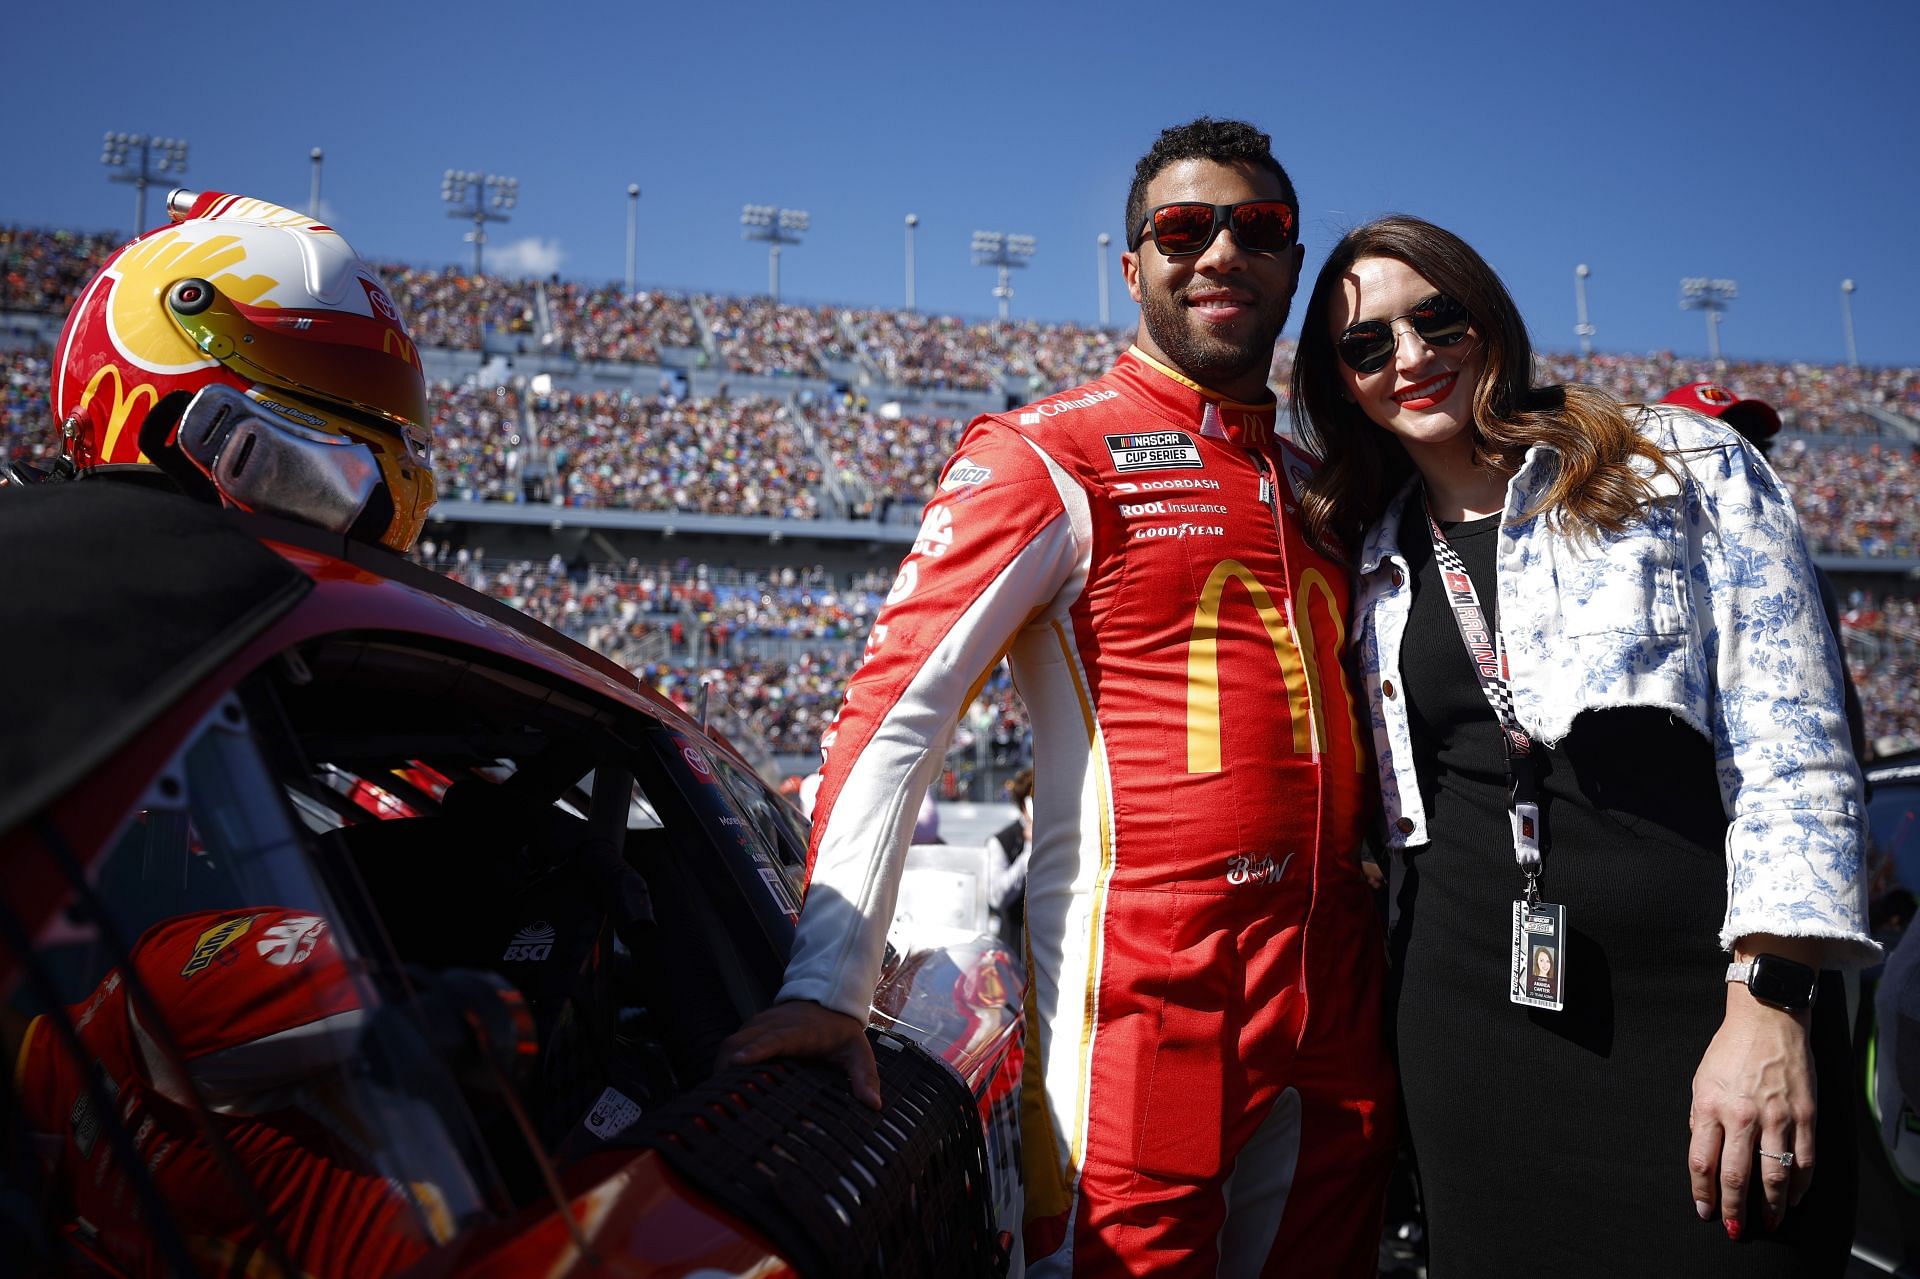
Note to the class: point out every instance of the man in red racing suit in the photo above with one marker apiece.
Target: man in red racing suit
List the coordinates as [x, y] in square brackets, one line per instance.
[1206, 1090]
[260, 1004]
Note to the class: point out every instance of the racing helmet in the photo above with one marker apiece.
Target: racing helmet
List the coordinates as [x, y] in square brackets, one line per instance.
[248, 352]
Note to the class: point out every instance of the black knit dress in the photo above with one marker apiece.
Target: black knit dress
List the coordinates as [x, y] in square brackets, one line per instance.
[1555, 1143]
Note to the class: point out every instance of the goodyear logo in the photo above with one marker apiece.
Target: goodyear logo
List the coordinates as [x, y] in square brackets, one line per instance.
[215, 940]
[1154, 451]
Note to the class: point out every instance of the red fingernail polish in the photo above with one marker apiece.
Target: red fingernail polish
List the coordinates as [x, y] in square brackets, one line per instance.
[1733, 1229]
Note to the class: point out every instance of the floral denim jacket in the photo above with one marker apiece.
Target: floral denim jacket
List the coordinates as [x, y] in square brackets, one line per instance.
[1705, 608]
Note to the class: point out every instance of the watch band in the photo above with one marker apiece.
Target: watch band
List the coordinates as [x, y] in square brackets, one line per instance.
[1777, 981]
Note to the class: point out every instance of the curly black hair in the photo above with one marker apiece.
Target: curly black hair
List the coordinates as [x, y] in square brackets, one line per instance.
[1225, 141]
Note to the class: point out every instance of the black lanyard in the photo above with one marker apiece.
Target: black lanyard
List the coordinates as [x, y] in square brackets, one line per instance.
[1488, 657]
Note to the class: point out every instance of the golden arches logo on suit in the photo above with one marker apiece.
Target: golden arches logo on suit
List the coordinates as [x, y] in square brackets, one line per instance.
[1295, 648]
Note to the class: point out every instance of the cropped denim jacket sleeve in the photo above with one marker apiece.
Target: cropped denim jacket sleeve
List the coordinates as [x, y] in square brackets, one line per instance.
[1706, 608]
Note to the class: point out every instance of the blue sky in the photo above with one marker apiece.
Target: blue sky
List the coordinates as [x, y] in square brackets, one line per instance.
[1776, 144]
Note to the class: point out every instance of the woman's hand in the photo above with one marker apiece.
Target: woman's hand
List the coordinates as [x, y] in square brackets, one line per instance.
[1753, 1098]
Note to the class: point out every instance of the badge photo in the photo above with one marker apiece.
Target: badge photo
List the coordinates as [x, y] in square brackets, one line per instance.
[1538, 977]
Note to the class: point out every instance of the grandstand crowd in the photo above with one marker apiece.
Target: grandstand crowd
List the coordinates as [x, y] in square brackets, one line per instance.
[778, 643]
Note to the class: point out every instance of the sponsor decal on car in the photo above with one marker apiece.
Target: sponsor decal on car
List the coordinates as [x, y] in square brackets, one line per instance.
[612, 1114]
[1154, 451]
[697, 761]
[291, 940]
[531, 944]
[215, 940]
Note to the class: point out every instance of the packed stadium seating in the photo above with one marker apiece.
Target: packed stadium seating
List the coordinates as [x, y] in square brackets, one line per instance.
[860, 436]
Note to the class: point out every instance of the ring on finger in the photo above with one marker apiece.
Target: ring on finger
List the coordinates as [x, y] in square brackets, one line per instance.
[1785, 1157]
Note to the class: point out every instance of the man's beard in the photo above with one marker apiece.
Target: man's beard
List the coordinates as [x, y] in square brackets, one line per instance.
[1211, 358]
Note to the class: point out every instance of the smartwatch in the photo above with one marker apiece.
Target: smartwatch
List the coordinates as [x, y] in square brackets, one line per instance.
[1777, 981]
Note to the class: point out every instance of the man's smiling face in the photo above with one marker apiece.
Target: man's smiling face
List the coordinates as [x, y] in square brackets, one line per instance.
[1216, 315]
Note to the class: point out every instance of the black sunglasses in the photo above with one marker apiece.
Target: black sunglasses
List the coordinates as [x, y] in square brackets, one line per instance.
[1438, 321]
[1187, 227]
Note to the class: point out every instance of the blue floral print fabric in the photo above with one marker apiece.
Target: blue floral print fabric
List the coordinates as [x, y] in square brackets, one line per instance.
[1705, 607]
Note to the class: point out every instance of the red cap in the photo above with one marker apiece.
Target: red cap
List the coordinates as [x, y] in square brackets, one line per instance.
[1754, 419]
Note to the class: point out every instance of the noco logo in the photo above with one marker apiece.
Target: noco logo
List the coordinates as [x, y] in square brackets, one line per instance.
[963, 473]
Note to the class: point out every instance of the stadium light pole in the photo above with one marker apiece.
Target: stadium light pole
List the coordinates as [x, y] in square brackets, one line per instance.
[633, 230]
[1698, 293]
[775, 226]
[313, 193]
[1846, 314]
[1583, 329]
[1100, 265]
[479, 198]
[999, 249]
[913, 220]
[158, 157]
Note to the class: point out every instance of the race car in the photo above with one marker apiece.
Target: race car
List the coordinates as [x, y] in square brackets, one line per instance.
[353, 923]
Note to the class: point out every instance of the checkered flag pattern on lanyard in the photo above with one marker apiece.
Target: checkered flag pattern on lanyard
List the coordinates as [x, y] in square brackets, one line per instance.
[1487, 656]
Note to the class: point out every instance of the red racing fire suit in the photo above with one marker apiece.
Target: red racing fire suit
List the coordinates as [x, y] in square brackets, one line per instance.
[1208, 1091]
[256, 1000]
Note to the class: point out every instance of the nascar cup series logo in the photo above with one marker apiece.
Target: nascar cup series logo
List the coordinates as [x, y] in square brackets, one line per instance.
[1154, 451]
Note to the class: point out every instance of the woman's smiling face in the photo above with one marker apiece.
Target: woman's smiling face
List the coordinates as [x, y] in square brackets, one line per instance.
[1424, 393]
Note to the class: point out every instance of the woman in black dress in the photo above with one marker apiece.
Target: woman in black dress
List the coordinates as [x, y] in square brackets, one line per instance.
[1608, 717]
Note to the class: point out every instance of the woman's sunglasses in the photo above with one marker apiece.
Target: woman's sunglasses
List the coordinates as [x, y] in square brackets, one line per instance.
[1438, 321]
[1188, 227]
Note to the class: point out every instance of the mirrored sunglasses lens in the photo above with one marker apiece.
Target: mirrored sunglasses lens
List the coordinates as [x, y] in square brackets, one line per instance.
[1366, 348]
[1182, 228]
[1440, 321]
[1264, 227]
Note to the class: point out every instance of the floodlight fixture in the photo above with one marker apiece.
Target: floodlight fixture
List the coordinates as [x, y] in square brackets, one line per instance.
[633, 231]
[1003, 251]
[1846, 314]
[1581, 328]
[140, 161]
[774, 226]
[1698, 293]
[479, 198]
[913, 220]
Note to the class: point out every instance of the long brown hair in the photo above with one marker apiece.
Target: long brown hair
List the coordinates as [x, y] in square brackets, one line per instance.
[1363, 465]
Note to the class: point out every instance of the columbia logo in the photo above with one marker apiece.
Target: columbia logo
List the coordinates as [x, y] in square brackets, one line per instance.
[1029, 419]
[532, 943]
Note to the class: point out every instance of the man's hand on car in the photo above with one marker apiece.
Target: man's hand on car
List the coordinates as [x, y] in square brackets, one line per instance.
[802, 1028]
